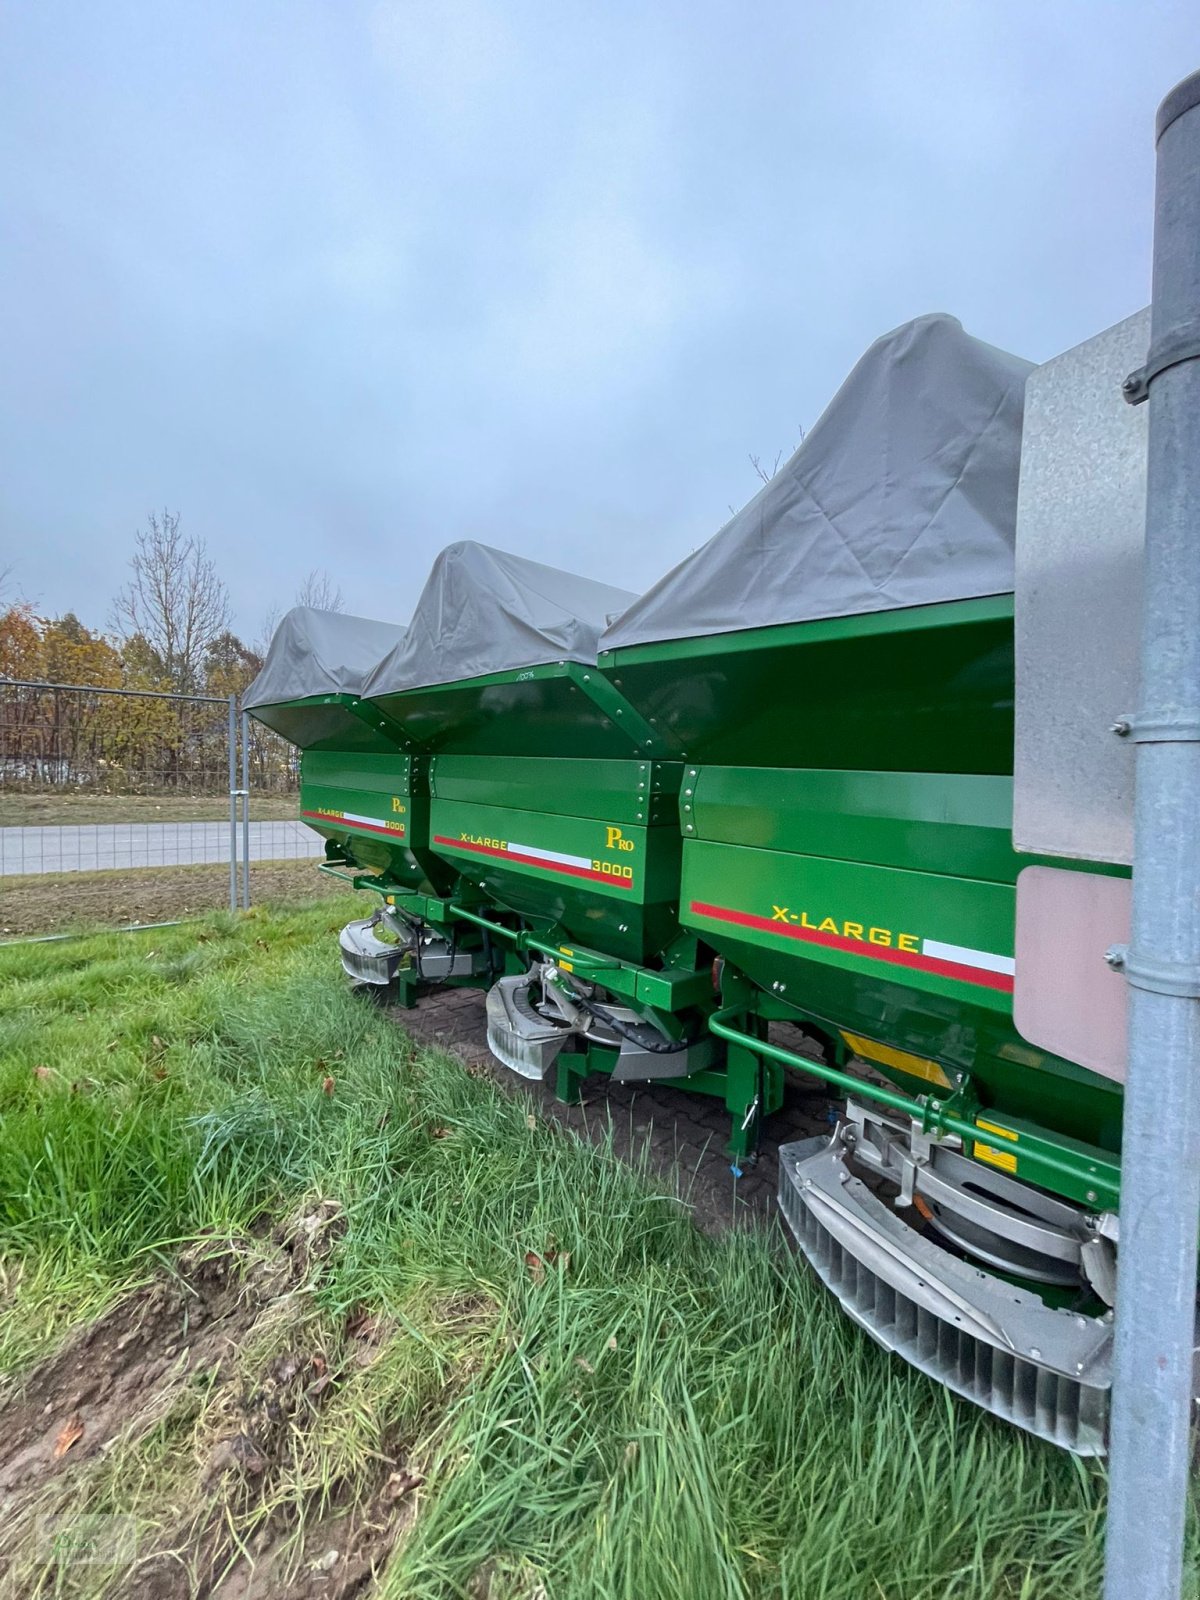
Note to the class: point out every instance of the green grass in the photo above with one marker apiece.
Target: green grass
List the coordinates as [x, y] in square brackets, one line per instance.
[665, 1417]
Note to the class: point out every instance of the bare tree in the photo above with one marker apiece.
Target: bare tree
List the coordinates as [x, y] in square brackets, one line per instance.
[175, 601]
[262, 640]
[320, 591]
[762, 472]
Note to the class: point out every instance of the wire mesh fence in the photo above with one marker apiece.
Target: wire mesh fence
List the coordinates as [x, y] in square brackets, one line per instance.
[124, 807]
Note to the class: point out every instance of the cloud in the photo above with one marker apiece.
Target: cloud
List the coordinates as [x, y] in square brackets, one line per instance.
[345, 283]
[445, 55]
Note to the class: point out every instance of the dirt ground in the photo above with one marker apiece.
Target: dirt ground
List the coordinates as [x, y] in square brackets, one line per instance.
[121, 1377]
[680, 1137]
[80, 809]
[50, 903]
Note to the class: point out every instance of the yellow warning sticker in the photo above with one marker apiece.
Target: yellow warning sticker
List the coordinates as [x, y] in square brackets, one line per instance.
[899, 1060]
[994, 1127]
[1004, 1159]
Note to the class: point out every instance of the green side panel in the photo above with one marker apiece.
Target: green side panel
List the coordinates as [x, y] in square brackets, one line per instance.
[610, 791]
[608, 883]
[929, 689]
[926, 822]
[541, 711]
[327, 722]
[907, 958]
[375, 809]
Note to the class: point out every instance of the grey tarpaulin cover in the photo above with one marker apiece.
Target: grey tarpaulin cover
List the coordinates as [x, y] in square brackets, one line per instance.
[319, 652]
[484, 610]
[903, 494]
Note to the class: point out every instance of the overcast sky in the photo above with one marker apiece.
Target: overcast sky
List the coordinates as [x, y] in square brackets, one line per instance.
[343, 282]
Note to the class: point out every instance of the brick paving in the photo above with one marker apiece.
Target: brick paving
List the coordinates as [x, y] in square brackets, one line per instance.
[680, 1136]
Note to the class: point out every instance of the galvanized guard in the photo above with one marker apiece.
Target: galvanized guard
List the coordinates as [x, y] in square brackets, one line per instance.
[1080, 532]
[1043, 1370]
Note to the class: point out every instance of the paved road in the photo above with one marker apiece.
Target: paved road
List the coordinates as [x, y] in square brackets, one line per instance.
[102, 846]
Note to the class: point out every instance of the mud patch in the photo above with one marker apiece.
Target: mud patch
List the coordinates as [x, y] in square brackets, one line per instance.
[339, 1558]
[219, 1369]
[114, 1380]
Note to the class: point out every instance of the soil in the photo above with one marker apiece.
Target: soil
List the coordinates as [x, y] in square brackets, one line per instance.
[50, 903]
[120, 1376]
[680, 1135]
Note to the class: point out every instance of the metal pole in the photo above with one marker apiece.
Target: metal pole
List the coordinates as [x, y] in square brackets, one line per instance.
[1160, 1167]
[233, 902]
[245, 811]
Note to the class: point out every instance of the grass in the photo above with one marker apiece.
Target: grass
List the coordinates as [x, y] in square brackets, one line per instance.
[33, 904]
[542, 1381]
[80, 807]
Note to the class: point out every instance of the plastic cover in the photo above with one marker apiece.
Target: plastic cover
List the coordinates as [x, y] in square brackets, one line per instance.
[903, 494]
[484, 610]
[319, 652]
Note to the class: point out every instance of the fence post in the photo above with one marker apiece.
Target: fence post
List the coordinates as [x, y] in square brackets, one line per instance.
[233, 885]
[1160, 1162]
[245, 811]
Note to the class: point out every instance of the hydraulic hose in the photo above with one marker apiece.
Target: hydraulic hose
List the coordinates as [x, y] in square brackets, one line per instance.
[656, 1046]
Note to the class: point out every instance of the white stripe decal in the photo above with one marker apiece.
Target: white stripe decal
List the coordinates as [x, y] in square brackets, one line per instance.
[372, 822]
[984, 959]
[548, 855]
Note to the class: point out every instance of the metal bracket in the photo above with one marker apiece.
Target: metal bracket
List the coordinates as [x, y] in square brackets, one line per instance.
[1163, 977]
[646, 739]
[1166, 727]
[921, 1143]
[1179, 344]
[366, 711]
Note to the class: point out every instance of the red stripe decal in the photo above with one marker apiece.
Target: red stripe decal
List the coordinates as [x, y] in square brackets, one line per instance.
[534, 861]
[859, 947]
[330, 820]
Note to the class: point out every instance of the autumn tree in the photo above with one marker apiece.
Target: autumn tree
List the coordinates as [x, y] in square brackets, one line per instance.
[72, 653]
[230, 666]
[54, 737]
[175, 603]
[21, 644]
[20, 711]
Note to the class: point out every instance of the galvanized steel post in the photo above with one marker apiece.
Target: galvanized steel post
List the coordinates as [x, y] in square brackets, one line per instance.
[233, 887]
[1160, 1178]
[245, 812]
